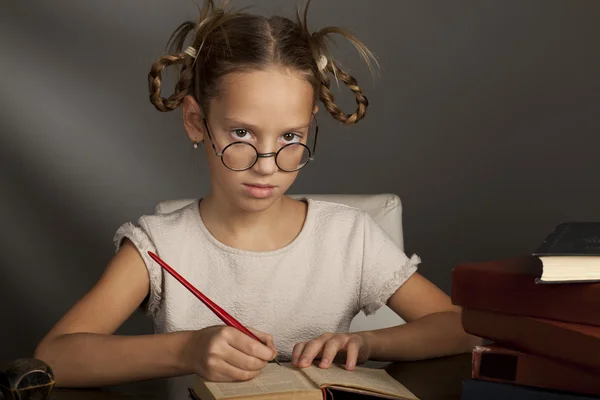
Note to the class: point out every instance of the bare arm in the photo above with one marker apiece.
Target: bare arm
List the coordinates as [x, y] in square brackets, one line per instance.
[433, 327]
[81, 348]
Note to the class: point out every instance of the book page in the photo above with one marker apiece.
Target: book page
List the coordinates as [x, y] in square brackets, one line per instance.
[272, 379]
[377, 380]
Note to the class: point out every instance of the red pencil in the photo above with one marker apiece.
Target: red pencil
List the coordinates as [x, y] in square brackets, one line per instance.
[219, 312]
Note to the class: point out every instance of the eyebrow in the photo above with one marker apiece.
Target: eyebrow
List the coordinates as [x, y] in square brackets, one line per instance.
[255, 128]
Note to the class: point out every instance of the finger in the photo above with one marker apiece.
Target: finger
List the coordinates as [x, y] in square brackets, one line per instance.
[311, 351]
[241, 360]
[265, 338]
[296, 352]
[225, 372]
[250, 346]
[352, 349]
[330, 349]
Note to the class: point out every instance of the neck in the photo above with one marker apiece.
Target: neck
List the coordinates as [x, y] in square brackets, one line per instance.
[266, 230]
[232, 220]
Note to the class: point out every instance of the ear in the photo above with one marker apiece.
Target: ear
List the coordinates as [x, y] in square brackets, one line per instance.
[193, 119]
[316, 109]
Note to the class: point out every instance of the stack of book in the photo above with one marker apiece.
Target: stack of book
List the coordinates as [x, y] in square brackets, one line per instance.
[541, 317]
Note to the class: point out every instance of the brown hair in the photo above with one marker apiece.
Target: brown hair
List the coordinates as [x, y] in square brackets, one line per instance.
[226, 41]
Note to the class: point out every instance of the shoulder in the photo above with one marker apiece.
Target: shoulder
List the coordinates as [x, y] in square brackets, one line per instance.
[334, 210]
[173, 217]
[336, 218]
[163, 223]
[385, 208]
[160, 233]
[357, 224]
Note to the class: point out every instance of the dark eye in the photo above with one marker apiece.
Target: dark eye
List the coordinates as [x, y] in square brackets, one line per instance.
[241, 133]
[288, 137]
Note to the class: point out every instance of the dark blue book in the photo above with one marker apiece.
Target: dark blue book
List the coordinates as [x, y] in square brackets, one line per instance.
[571, 253]
[473, 389]
[571, 239]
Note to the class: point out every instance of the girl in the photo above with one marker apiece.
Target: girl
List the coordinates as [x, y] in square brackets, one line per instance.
[296, 272]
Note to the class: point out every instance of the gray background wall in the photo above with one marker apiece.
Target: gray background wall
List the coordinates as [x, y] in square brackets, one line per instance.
[484, 120]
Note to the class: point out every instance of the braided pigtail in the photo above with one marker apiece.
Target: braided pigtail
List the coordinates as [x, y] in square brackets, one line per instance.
[328, 99]
[327, 66]
[186, 73]
[210, 20]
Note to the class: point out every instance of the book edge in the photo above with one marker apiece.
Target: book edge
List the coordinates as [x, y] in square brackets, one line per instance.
[360, 389]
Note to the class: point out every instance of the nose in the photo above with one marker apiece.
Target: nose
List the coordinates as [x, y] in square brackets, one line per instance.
[265, 164]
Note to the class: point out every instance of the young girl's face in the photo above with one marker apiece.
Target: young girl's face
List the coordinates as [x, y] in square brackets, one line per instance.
[268, 109]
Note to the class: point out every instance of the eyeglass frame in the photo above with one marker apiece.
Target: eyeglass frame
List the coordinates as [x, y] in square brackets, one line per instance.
[311, 155]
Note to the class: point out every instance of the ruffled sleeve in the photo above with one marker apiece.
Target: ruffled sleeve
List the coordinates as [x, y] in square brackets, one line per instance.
[140, 237]
[385, 267]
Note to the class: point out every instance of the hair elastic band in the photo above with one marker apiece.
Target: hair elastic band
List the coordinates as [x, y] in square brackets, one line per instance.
[322, 63]
[190, 51]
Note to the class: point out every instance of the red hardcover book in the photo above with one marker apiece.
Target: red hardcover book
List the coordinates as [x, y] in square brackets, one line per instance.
[573, 344]
[498, 363]
[509, 286]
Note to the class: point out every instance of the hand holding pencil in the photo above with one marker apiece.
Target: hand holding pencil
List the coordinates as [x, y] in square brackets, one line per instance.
[224, 353]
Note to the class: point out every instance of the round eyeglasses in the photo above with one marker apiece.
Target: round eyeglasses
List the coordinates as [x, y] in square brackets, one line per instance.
[240, 156]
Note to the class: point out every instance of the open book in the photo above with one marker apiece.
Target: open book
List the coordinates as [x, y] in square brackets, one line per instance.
[313, 383]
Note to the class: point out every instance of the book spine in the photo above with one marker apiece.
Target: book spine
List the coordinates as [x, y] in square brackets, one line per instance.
[568, 343]
[479, 288]
[501, 364]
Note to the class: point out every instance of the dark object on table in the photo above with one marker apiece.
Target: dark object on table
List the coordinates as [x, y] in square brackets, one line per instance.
[473, 389]
[26, 379]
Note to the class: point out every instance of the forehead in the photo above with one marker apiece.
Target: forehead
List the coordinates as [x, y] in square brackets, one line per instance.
[271, 97]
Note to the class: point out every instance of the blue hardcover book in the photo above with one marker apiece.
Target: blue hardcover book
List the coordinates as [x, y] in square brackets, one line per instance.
[473, 389]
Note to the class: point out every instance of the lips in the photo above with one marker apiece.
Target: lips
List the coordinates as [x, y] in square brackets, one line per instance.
[259, 190]
[259, 185]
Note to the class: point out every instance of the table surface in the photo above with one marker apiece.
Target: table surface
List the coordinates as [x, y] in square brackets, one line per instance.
[434, 379]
